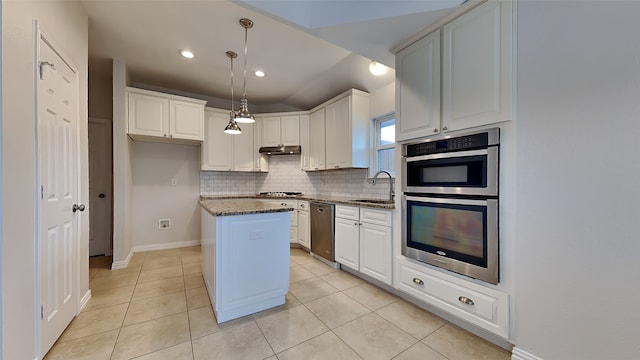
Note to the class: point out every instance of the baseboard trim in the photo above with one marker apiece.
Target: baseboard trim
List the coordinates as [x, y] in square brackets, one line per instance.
[122, 264]
[84, 300]
[166, 246]
[519, 354]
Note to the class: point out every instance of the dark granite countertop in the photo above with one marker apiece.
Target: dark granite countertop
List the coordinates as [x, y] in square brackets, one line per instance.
[331, 199]
[240, 206]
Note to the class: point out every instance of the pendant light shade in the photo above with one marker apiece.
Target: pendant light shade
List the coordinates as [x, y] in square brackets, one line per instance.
[232, 127]
[243, 115]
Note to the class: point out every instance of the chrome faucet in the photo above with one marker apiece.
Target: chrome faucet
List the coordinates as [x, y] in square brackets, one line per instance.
[391, 192]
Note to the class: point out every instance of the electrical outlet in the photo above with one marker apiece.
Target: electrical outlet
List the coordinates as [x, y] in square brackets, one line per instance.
[164, 224]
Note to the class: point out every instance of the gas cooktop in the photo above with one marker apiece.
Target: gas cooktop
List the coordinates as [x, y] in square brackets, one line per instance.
[280, 193]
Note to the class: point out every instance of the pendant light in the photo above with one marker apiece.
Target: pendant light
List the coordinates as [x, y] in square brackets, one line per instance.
[232, 127]
[243, 115]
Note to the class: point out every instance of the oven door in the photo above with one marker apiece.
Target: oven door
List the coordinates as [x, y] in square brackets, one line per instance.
[473, 172]
[460, 235]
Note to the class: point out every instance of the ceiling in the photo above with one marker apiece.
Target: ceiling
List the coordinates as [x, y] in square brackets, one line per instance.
[311, 50]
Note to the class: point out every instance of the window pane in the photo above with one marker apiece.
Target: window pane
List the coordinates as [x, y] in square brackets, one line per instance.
[386, 160]
[387, 132]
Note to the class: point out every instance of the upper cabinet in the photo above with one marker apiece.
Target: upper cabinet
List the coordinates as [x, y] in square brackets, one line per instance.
[346, 131]
[418, 89]
[304, 143]
[477, 67]
[225, 152]
[280, 130]
[316, 140]
[156, 116]
[473, 83]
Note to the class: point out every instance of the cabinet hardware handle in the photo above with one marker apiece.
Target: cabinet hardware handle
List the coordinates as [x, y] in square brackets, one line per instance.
[165, 135]
[418, 281]
[356, 224]
[444, 128]
[171, 136]
[77, 207]
[435, 130]
[466, 300]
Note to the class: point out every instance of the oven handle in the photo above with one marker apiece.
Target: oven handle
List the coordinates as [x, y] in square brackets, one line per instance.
[448, 155]
[449, 200]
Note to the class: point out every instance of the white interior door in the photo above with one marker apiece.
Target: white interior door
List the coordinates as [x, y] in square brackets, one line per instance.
[100, 187]
[57, 99]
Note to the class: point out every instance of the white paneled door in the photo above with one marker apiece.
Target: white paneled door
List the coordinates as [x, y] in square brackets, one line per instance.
[57, 132]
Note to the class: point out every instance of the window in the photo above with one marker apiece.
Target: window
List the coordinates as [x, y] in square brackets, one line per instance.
[385, 141]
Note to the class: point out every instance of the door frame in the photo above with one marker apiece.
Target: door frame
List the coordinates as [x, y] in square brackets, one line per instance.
[38, 35]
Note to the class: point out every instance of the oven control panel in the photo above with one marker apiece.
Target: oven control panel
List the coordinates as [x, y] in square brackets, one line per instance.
[466, 142]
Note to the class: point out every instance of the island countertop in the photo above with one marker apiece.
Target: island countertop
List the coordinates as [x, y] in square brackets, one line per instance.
[228, 207]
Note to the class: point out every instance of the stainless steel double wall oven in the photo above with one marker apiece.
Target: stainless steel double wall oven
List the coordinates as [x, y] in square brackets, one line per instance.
[450, 203]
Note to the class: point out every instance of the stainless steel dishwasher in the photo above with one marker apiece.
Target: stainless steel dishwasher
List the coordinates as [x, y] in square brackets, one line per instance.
[322, 230]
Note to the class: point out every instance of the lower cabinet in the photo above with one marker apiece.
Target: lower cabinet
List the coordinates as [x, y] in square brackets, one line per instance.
[363, 241]
[304, 229]
[293, 230]
[485, 307]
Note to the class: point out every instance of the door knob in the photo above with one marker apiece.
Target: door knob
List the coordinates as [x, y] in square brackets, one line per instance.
[77, 207]
[101, 196]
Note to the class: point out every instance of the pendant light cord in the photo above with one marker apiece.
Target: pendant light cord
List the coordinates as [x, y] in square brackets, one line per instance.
[244, 85]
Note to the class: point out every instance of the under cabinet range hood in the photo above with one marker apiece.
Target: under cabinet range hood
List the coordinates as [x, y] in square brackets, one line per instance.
[280, 150]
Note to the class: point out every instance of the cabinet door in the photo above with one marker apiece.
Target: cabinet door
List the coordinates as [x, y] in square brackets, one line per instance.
[186, 120]
[375, 252]
[317, 140]
[303, 229]
[304, 142]
[270, 131]
[217, 146]
[347, 243]
[418, 89]
[343, 132]
[476, 68]
[243, 158]
[290, 130]
[148, 115]
[331, 136]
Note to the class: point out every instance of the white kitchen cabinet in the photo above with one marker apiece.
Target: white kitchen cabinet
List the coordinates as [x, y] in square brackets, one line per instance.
[226, 152]
[363, 241]
[260, 163]
[485, 307]
[293, 229]
[474, 81]
[418, 89]
[304, 143]
[477, 67]
[347, 131]
[280, 130]
[154, 116]
[304, 233]
[347, 242]
[317, 140]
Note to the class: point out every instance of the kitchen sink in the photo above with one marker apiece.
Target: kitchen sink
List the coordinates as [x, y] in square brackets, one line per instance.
[373, 201]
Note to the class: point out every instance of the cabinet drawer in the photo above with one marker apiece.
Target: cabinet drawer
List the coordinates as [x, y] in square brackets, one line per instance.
[347, 212]
[303, 205]
[378, 217]
[288, 203]
[485, 307]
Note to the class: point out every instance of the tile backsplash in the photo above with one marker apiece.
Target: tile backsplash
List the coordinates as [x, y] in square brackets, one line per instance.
[285, 175]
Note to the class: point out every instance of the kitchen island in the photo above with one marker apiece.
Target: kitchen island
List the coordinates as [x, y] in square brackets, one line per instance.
[245, 255]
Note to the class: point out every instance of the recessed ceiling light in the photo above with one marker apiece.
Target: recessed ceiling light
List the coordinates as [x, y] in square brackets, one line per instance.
[259, 73]
[186, 53]
[376, 68]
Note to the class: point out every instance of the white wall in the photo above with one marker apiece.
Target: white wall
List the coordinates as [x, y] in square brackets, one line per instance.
[577, 268]
[382, 101]
[67, 25]
[154, 197]
[122, 178]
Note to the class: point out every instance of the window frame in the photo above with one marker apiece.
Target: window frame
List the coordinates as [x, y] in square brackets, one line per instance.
[376, 125]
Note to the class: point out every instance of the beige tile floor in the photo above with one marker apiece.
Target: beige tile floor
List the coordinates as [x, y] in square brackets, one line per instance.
[158, 309]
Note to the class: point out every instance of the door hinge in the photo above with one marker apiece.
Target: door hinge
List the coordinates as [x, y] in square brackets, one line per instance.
[41, 192]
[41, 312]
